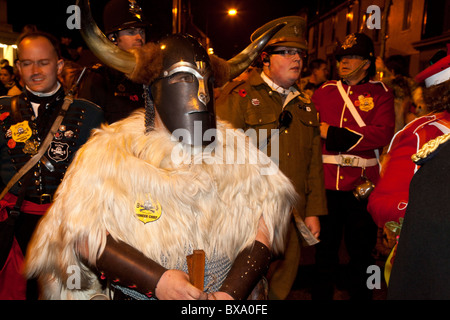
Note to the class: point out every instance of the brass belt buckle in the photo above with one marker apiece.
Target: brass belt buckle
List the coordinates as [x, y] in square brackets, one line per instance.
[44, 197]
[348, 161]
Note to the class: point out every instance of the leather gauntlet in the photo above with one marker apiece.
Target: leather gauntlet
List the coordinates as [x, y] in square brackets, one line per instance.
[128, 267]
[248, 268]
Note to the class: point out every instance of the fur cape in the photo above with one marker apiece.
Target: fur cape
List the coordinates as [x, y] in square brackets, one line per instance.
[206, 204]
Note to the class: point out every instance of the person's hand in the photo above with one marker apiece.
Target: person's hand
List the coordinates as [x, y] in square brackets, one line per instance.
[324, 130]
[175, 285]
[219, 295]
[313, 225]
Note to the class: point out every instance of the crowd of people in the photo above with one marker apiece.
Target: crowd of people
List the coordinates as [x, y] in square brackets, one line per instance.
[89, 172]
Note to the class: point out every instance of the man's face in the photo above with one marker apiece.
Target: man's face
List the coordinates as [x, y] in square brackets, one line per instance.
[321, 73]
[131, 38]
[5, 77]
[349, 64]
[38, 64]
[285, 66]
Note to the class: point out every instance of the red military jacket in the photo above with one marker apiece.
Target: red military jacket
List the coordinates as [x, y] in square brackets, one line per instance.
[390, 197]
[346, 140]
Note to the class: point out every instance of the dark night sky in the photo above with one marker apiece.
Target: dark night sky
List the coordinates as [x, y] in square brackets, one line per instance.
[229, 35]
[232, 34]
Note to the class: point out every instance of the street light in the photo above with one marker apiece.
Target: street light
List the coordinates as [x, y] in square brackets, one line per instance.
[232, 12]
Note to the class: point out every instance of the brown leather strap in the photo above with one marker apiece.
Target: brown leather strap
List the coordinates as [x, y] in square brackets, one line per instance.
[15, 112]
[128, 267]
[248, 268]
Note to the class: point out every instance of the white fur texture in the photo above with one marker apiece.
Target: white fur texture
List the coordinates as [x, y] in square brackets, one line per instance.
[215, 207]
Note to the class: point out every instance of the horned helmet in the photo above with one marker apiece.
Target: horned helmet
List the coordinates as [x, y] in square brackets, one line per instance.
[179, 72]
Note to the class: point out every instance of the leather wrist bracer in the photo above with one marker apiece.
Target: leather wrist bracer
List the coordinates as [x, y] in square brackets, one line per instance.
[248, 268]
[128, 267]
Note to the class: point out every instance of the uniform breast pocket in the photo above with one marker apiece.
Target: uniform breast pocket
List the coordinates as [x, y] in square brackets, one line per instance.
[260, 118]
[308, 119]
[260, 122]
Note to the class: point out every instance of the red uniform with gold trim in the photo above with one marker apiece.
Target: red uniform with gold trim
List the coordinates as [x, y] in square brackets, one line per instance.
[347, 142]
[389, 199]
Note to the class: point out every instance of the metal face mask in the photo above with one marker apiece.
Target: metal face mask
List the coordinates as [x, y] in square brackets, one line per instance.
[183, 94]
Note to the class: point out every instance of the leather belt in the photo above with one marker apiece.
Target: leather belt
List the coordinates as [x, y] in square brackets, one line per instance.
[42, 199]
[348, 160]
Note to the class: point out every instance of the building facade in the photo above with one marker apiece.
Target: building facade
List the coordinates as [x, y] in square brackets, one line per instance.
[415, 29]
[7, 36]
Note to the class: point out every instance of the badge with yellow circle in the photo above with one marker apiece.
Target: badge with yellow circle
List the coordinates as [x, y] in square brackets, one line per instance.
[21, 132]
[365, 103]
[148, 210]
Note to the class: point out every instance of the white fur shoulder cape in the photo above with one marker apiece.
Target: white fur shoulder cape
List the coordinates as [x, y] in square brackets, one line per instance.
[211, 201]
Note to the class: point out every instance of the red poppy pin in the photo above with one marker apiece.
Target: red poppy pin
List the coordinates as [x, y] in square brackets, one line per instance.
[4, 115]
[11, 143]
[242, 93]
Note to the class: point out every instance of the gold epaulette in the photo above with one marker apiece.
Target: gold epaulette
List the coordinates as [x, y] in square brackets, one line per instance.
[430, 147]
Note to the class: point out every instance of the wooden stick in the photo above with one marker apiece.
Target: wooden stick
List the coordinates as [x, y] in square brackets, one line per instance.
[196, 268]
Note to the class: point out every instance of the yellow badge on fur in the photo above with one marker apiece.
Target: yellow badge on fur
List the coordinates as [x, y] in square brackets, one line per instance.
[21, 131]
[148, 210]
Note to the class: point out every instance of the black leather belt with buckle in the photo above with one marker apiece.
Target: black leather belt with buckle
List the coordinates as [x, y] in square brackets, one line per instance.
[42, 199]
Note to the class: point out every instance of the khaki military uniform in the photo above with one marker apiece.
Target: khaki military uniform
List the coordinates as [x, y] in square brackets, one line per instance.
[254, 105]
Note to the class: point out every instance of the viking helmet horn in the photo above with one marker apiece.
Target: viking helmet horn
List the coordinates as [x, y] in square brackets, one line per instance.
[243, 60]
[101, 46]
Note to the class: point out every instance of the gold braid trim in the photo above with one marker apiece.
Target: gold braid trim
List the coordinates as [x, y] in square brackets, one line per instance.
[430, 147]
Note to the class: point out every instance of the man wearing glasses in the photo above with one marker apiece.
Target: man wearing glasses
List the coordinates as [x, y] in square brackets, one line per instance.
[270, 99]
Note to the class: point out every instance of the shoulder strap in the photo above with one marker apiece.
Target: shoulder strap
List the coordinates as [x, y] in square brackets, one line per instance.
[350, 105]
[15, 112]
[442, 123]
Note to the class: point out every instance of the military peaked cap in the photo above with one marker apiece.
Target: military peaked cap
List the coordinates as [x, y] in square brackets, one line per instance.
[291, 35]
